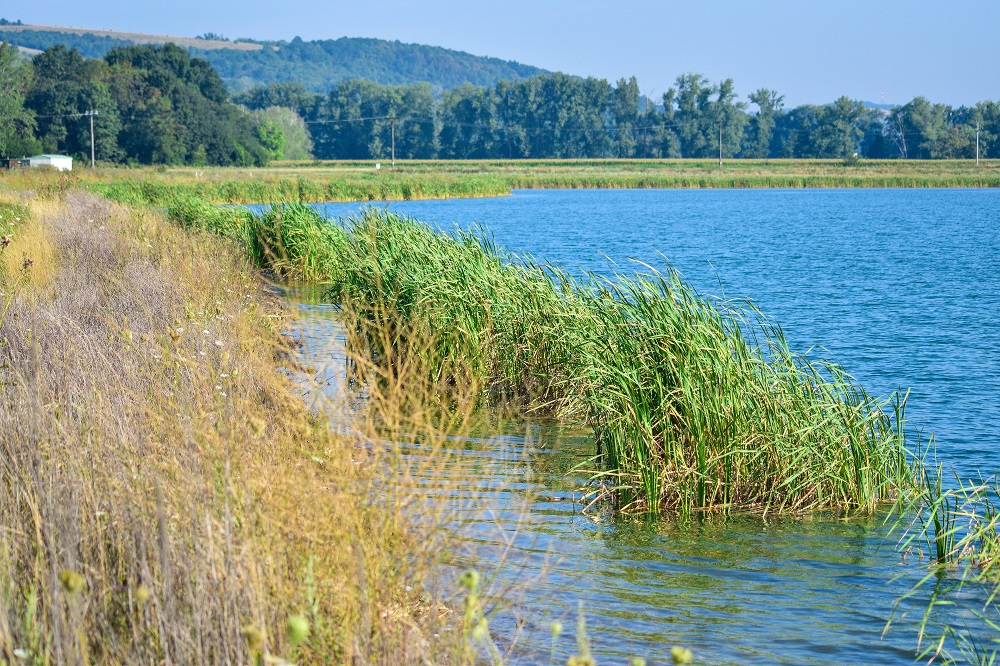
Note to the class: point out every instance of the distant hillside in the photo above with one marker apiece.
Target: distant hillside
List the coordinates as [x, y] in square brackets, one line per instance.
[52, 35]
[881, 106]
[317, 65]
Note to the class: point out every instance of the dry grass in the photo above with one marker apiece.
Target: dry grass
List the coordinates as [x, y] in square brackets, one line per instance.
[165, 497]
[31, 255]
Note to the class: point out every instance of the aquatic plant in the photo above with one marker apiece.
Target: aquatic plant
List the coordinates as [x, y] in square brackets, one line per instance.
[957, 524]
[695, 404]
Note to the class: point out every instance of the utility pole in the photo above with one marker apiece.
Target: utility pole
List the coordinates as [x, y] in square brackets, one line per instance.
[91, 113]
[393, 142]
[977, 143]
[720, 143]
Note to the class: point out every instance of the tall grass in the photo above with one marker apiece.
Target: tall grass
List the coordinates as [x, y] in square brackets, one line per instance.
[695, 405]
[159, 191]
[314, 182]
[165, 495]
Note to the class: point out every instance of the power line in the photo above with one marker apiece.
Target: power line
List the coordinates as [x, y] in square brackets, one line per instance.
[66, 115]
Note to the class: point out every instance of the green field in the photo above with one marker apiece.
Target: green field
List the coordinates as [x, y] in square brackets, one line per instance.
[311, 182]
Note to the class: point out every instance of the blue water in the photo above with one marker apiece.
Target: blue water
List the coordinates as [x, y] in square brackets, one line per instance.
[902, 287]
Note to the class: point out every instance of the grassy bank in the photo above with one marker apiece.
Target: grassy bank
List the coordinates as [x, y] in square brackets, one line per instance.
[165, 495]
[313, 182]
[695, 405]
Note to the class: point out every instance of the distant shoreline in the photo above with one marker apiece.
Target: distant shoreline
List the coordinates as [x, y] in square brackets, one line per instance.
[320, 182]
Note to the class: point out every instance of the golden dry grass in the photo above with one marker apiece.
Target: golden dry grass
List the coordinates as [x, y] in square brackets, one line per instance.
[165, 496]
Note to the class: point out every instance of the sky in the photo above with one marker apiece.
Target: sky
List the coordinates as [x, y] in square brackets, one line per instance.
[810, 51]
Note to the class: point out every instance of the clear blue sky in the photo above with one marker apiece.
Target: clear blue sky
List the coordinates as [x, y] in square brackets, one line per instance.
[809, 50]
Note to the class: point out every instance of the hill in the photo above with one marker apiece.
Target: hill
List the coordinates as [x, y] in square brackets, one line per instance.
[317, 65]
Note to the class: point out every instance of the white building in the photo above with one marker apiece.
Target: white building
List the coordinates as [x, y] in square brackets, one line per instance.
[61, 162]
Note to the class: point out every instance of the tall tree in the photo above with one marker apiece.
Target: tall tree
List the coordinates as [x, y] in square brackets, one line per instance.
[729, 117]
[65, 87]
[176, 109]
[760, 126]
[625, 111]
[987, 115]
[296, 143]
[839, 128]
[918, 126]
[693, 119]
[17, 124]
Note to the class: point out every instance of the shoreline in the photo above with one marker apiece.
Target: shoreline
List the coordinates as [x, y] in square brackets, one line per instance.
[346, 182]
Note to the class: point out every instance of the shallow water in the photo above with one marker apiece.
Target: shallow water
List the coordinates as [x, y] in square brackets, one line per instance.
[900, 286]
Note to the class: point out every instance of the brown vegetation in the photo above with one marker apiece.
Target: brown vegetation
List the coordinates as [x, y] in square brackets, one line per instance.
[165, 497]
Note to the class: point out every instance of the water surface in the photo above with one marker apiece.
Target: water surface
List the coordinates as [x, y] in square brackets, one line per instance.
[900, 286]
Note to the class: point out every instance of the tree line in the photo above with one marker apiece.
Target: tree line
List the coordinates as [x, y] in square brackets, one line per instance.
[160, 105]
[560, 116]
[154, 105]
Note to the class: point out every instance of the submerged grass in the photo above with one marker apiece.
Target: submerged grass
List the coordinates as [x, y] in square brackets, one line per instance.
[956, 523]
[696, 405]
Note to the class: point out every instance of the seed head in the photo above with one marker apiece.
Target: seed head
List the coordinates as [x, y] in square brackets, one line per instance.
[681, 655]
[254, 636]
[296, 629]
[142, 595]
[6, 240]
[28, 263]
[469, 580]
[71, 581]
[556, 629]
[580, 660]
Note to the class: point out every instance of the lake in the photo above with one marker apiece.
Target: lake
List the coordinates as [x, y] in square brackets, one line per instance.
[901, 287]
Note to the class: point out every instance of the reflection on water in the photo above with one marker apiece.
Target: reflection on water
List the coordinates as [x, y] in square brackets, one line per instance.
[739, 590]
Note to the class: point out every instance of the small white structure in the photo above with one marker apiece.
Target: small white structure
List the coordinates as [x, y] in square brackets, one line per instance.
[61, 162]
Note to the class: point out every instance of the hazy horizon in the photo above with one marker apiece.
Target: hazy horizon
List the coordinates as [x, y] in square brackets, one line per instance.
[810, 54]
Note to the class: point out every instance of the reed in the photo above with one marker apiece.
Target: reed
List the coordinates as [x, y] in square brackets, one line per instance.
[696, 405]
[314, 182]
[956, 523]
[149, 189]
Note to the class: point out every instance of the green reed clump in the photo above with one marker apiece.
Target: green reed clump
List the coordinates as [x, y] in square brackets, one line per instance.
[299, 245]
[497, 316]
[695, 406]
[232, 188]
[292, 240]
[698, 405]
